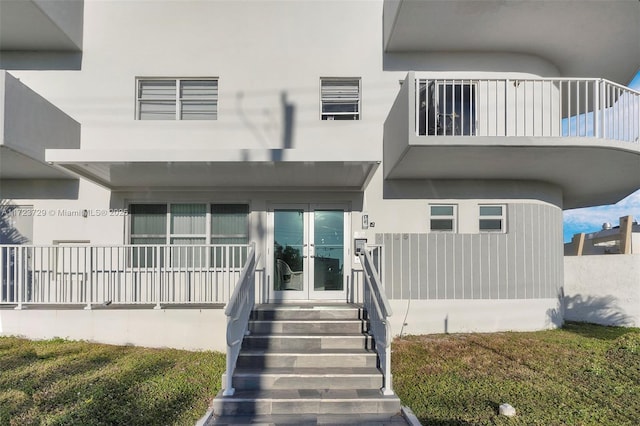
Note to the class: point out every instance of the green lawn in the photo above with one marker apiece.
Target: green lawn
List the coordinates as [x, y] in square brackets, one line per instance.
[582, 374]
[59, 382]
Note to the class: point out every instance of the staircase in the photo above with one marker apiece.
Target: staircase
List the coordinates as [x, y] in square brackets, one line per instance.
[307, 364]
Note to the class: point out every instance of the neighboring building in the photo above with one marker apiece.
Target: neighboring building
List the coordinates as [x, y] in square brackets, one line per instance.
[621, 239]
[602, 275]
[146, 145]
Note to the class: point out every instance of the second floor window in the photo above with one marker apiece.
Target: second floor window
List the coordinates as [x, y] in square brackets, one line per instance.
[443, 218]
[177, 99]
[492, 218]
[340, 98]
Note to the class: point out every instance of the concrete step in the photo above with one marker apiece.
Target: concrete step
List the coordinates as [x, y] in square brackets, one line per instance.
[310, 420]
[307, 378]
[307, 311]
[313, 326]
[307, 342]
[306, 401]
[316, 359]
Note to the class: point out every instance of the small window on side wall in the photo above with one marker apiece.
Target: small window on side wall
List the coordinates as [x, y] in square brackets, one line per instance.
[340, 98]
[492, 218]
[443, 218]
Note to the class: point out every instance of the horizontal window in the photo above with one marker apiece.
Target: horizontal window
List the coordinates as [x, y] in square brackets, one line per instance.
[443, 218]
[340, 99]
[492, 218]
[190, 224]
[177, 99]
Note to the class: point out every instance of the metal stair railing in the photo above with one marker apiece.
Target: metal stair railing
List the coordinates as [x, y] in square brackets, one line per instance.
[238, 311]
[378, 311]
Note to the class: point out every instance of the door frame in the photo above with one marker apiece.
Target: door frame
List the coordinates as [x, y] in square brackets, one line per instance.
[308, 293]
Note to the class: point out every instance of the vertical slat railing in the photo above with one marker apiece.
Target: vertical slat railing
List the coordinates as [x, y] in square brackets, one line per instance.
[89, 275]
[561, 107]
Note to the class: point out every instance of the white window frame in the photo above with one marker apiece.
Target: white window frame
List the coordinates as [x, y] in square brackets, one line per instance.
[207, 235]
[453, 217]
[330, 116]
[502, 217]
[177, 100]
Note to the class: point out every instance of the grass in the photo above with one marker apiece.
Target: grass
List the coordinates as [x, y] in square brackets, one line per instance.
[59, 382]
[582, 374]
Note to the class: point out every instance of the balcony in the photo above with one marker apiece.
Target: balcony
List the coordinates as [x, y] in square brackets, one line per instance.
[39, 25]
[580, 38]
[580, 134]
[28, 125]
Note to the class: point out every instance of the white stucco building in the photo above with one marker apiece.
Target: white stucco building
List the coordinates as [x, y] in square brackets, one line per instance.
[144, 146]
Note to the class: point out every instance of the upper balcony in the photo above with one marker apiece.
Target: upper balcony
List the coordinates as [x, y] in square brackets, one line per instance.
[580, 134]
[36, 25]
[581, 38]
[41, 34]
[28, 125]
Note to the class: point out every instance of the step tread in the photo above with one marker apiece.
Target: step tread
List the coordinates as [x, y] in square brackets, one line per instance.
[307, 306]
[309, 394]
[310, 320]
[320, 352]
[307, 371]
[307, 335]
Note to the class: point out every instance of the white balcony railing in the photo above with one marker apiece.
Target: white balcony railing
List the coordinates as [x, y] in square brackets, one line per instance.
[594, 108]
[128, 274]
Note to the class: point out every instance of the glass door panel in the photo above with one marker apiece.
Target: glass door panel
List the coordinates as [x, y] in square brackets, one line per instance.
[309, 252]
[288, 250]
[328, 249]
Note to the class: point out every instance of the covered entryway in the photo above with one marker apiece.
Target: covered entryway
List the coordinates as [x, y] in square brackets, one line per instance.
[309, 251]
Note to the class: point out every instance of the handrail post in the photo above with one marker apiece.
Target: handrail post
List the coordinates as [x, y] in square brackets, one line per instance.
[88, 287]
[158, 274]
[18, 275]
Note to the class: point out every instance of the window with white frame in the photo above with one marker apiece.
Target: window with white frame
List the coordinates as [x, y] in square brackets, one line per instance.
[492, 218]
[190, 224]
[177, 99]
[340, 98]
[443, 217]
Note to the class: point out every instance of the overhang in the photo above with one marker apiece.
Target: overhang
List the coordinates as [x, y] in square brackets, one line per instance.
[581, 38]
[278, 169]
[589, 171]
[28, 125]
[37, 25]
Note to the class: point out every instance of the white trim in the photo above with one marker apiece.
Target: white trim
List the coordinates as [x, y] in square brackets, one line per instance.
[177, 99]
[324, 98]
[453, 217]
[502, 217]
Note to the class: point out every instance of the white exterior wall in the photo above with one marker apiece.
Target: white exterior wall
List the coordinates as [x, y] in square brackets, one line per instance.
[189, 329]
[256, 65]
[263, 53]
[603, 289]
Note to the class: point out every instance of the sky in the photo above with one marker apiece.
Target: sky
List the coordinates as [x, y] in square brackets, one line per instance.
[591, 219]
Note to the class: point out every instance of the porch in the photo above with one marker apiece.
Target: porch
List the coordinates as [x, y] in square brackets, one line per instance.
[131, 275]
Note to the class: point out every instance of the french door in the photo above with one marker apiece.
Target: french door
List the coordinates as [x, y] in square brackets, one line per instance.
[309, 252]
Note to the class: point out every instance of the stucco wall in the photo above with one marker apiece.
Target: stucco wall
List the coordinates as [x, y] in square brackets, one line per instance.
[603, 289]
[190, 329]
[473, 316]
